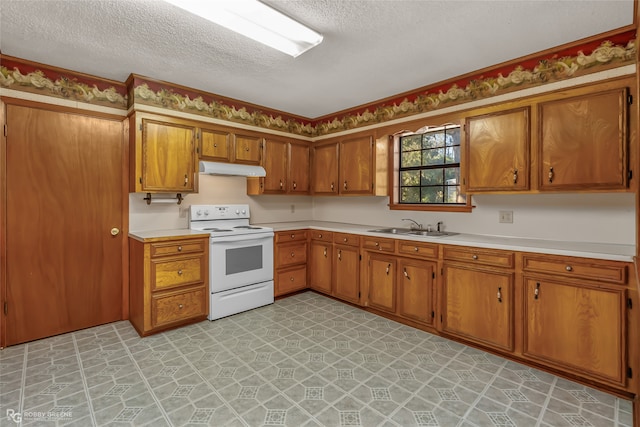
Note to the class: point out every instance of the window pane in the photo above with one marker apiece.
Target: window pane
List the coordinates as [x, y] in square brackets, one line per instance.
[432, 195]
[411, 143]
[410, 178]
[453, 154]
[452, 194]
[411, 159]
[433, 140]
[432, 177]
[410, 195]
[452, 176]
[453, 136]
[434, 156]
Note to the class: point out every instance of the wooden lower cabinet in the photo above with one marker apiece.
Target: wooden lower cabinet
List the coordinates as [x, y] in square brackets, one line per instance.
[346, 273]
[290, 261]
[320, 260]
[168, 282]
[416, 290]
[382, 278]
[478, 305]
[580, 327]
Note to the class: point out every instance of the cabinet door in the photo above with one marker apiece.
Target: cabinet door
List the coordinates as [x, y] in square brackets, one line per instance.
[248, 149]
[168, 157]
[320, 260]
[356, 166]
[583, 142]
[275, 163]
[416, 285]
[382, 282]
[498, 151]
[298, 168]
[579, 327]
[215, 144]
[324, 169]
[478, 305]
[346, 270]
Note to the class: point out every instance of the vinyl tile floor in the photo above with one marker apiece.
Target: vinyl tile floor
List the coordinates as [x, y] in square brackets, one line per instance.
[306, 360]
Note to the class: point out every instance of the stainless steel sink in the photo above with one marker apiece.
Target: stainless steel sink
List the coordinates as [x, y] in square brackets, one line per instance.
[432, 233]
[392, 230]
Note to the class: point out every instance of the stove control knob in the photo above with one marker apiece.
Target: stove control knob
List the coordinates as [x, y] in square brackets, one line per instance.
[199, 213]
[206, 213]
[237, 212]
[244, 212]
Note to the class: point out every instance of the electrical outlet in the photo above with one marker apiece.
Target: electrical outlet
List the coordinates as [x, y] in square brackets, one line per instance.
[293, 208]
[505, 217]
[182, 211]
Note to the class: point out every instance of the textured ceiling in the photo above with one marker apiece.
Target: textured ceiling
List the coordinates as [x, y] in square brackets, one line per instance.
[372, 49]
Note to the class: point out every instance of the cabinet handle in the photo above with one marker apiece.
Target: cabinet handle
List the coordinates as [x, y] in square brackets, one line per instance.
[332, 186]
[179, 248]
[325, 252]
[515, 176]
[475, 257]
[180, 306]
[388, 267]
[406, 274]
[179, 272]
[345, 185]
[551, 174]
[340, 255]
[281, 184]
[295, 185]
[536, 292]
[568, 268]
[499, 294]
[186, 179]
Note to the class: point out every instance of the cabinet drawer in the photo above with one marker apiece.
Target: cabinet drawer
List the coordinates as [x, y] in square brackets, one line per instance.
[346, 239]
[167, 308]
[479, 256]
[376, 244]
[579, 268]
[176, 272]
[178, 247]
[291, 236]
[425, 250]
[325, 236]
[291, 280]
[291, 254]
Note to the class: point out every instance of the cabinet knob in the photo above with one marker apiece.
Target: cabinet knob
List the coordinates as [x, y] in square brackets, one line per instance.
[377, 244]
[179, 272]
[292, 254]
[215, 145]
[246, 149]
[320, 236]
[179, 248]
[291, 278]
[475, 257]
[345, 239]
[180, 306]
[416, 249]
[568, 268]
[281, 184]
[295, 185]
[293, 236]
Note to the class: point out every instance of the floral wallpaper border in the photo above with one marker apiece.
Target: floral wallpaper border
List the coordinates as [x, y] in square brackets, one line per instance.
[614, 51]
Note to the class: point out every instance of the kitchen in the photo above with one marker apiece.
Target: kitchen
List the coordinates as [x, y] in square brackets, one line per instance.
[576, 217]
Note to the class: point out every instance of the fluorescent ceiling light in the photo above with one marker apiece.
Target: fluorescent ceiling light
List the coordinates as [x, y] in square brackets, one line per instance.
[255, 20]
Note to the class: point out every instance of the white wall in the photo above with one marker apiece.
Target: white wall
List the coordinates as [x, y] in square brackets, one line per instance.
[603, 218]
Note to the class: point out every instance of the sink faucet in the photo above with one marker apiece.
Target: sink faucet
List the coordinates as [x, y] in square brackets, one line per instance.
[440, 226]
[417, 225]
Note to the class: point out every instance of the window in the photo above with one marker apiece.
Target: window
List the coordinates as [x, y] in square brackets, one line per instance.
[429, 167]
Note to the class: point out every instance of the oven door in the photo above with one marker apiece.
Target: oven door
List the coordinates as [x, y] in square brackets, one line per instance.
[236, 261]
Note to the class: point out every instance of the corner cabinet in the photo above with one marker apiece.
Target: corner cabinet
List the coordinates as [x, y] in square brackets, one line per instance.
[501, 140]
[163, 157]
[583, 141]
[168, 282]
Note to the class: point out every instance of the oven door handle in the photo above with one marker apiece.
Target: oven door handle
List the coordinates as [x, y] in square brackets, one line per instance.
[244, 238]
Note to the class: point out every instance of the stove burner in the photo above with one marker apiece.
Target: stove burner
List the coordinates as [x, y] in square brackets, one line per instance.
[216, 230]
[247, 227]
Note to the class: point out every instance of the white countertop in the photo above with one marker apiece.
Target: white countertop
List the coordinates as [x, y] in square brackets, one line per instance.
[578, 249]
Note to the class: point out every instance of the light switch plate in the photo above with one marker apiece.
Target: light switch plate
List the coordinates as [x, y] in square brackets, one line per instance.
[506, 217]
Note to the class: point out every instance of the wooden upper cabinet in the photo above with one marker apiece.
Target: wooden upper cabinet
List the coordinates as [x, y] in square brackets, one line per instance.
[497, 151]
[324, 169]
[298, 167]
[248, 149]
[165, 155]
[356, 165]
[583, 142]
[216, 144]
[275, 164]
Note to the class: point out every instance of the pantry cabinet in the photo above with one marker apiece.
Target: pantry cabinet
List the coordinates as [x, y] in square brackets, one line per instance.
[168, 282]
[290, 261]
[497, 151]
[478, 296]
[163, 157]
[584, 141]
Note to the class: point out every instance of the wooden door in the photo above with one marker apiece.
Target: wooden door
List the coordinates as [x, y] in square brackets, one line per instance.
[583, 142]
[168, 156]
[275, 163]
[478, 305]
[381, 281]
[64, 197]
[356, 166]
[580, 327]
[298, 168]
[324, 169]
[416, 285]
[346, 273]
[498, 151]
[215, 144]
[320, 260]
[248, 149]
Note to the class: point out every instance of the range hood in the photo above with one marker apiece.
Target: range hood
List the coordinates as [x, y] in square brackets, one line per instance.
[219, 168]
